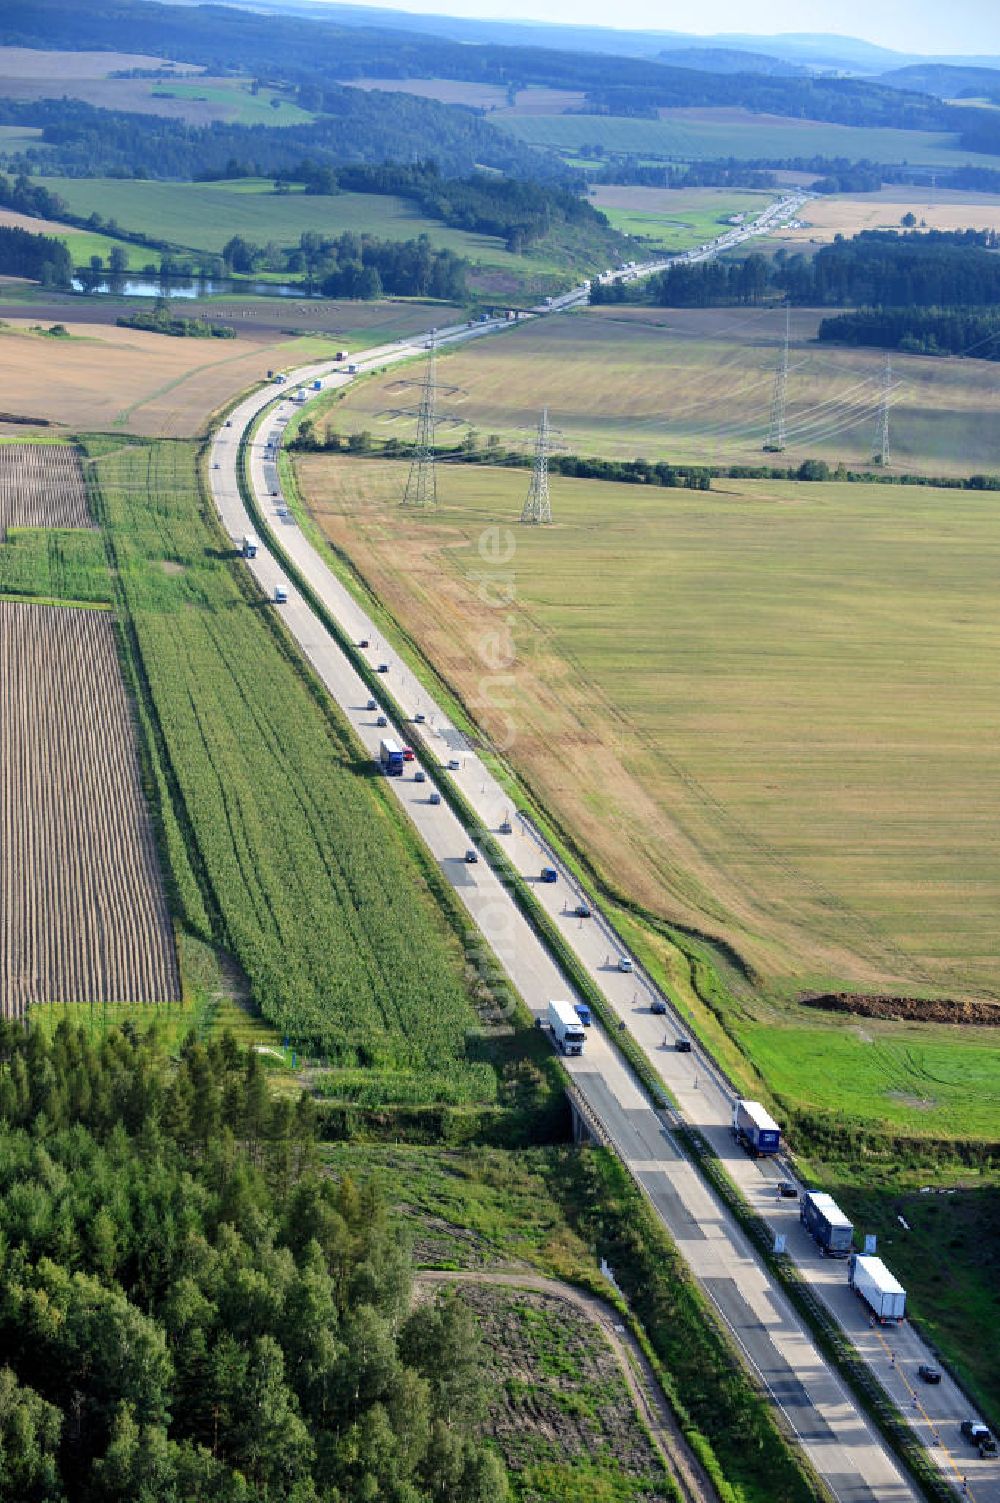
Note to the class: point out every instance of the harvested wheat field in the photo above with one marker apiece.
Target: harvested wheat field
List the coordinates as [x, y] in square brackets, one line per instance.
[694, 385]
[41, 486]
[124, 379]
[84, 916]
[933, 209]
[769, 712]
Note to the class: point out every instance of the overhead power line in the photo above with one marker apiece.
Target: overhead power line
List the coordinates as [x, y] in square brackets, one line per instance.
[537, 506]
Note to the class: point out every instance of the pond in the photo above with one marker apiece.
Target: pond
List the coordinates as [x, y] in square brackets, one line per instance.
[184, 287]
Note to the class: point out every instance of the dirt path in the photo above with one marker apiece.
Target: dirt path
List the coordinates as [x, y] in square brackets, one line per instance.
[646, 1393]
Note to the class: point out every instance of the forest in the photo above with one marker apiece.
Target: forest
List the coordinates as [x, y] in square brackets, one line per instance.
[190, 1312]
[919, 331]
[82, 141]
[360, 266]
[877, 268]
[39, 257]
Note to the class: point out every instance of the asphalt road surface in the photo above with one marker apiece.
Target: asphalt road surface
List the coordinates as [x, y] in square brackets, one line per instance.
[822, 1414]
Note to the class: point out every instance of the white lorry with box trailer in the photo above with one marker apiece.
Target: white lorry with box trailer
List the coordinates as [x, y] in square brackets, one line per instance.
[567, 1029]
[882, 1293]
[250, 546]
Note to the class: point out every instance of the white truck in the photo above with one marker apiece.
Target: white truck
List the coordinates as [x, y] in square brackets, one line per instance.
[567, 1029]
[250, 546]
[871, 1281]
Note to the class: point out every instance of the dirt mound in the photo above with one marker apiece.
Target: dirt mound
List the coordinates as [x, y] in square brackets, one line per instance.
[907, 1009]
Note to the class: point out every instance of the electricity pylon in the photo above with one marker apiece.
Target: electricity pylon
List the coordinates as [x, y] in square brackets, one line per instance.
[537, 506]
[880, 446]
[421, 482]
[775, 441]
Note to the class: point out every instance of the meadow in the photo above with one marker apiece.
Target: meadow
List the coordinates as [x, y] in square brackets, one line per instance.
[491, 98]
[768, 712]
[916, 1080]
[695, 386]
[278, 839]
[184, 93]
[203, 216]
[675, 218]
[685, 135]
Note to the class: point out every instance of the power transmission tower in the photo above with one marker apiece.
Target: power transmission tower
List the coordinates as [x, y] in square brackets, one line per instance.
[775, 441]
[421, 482]
[537, 506]
[880, 447]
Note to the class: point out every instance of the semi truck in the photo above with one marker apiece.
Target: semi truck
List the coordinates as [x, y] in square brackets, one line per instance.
[826, 1224]
[882, 1293]
[755, 1128]
[250, 546]
[567, 1029]
[390, 756]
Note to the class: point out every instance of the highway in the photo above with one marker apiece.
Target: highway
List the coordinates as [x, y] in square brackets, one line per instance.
[839, 1443]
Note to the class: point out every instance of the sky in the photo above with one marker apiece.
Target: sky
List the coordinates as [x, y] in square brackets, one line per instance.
[960, 26]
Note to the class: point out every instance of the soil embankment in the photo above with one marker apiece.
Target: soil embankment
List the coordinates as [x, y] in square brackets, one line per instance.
[908, 1009]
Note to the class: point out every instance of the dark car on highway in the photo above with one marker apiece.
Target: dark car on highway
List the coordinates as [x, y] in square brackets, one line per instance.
[928, 1373]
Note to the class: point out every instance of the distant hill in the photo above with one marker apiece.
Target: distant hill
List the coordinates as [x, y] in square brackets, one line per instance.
[729, 60]
[815, 51]
[945, 81]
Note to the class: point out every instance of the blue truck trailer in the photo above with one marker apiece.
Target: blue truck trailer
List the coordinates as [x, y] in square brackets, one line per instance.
[390, 756]
[755, 1128]
[826, 1224]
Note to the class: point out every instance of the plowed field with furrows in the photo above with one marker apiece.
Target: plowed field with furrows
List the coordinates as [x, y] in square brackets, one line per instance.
[83, 917]
[41, 486]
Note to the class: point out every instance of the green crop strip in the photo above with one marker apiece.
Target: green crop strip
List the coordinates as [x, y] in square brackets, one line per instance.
[303, 870]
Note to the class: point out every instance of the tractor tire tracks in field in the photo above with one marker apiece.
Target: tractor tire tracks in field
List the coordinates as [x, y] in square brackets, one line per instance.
[647, 1395]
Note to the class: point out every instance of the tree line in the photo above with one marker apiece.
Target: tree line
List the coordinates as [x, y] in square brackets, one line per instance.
[79, 140]
[39, 257]
[919, 331]
[842, 101]
[190, 1312]
[877, 268]
[357, 266]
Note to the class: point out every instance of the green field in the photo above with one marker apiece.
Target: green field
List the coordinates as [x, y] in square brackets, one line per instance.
[695, 386]
[278, 840]
[768, 711]
[691, 135]
[55, 564]
[17, 138]
[203, 216]
[241, 106]
[675, 219]
[917, 1080]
